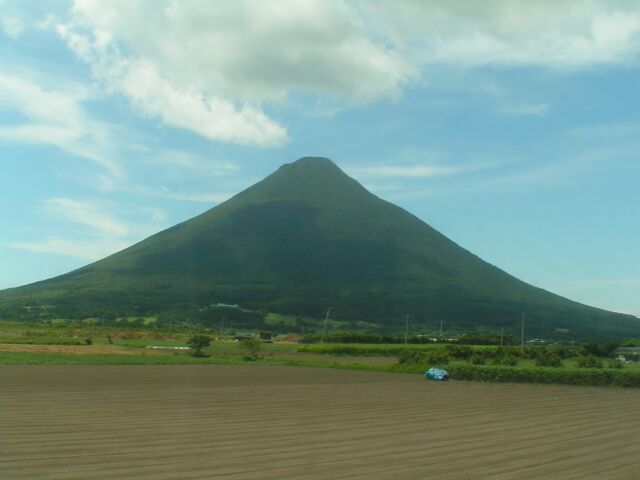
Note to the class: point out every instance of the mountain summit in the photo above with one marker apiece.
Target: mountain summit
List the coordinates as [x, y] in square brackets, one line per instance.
[303, 239]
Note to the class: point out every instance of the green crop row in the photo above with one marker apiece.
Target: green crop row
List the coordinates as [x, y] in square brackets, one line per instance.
[365, 350]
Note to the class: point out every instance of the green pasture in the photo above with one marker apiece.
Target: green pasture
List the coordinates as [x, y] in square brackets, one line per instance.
[567, 364]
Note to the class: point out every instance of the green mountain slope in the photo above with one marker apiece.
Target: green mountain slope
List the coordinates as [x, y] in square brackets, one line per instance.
[305, 238]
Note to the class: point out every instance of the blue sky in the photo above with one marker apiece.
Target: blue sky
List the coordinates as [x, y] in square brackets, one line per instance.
[511, 127]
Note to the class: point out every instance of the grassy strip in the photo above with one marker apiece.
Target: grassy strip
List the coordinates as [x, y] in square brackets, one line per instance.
[31, 358]
[457, 371]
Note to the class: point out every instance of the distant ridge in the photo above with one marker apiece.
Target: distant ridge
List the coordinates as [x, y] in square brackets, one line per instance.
[307, 237]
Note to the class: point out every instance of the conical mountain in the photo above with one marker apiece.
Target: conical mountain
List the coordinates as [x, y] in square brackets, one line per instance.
[303, 239]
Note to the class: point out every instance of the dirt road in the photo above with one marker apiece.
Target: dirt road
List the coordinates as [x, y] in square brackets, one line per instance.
[259, 422]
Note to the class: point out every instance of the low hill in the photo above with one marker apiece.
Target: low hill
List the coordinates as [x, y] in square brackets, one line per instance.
[303, 239]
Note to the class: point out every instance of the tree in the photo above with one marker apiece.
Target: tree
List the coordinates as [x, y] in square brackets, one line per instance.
[600, 349]
[197, 343]
[252, 345]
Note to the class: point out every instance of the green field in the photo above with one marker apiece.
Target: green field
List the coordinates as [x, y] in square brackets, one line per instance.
[90, 344]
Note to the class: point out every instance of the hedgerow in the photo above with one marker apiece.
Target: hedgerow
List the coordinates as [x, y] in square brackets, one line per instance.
[367, 350]
[592, 377]
[432, 357]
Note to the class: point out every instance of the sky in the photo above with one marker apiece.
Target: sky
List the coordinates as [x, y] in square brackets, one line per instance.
[513, 127]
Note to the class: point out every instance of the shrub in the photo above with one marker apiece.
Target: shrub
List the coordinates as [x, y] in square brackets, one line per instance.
[435, 356]
[508, 360]
[462, 352]
[88, 341]
[531, 352]
[588, 361]
[478, 359]
[563, 351]
[611, 378]
[252, 345]
[546, 359]
[614, 363]
[409, 356]
[600, 349]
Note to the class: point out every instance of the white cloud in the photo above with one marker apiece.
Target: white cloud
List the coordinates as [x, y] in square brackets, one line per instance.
[158, 217]
[209, 67]
[191, 162]
[12, 26]
[413, 171]
[416, 169]
[86, 250]
[55, 116]
[577, 33]
[175, 167]
[212, 198]
[101, 233]
[89, 213]
[152, 95]
[47, 22]
[532, 109]
[253, 50]
[166, 193]
[211, 117]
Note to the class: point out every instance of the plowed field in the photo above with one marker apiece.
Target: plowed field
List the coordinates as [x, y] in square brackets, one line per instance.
[261, 422]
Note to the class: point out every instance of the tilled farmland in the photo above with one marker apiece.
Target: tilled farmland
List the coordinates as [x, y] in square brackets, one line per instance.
[266, 422]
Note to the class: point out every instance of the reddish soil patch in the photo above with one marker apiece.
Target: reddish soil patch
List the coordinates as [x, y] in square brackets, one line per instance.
[75, 349]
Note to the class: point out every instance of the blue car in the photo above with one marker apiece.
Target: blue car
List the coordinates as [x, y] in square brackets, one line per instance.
[436, 374]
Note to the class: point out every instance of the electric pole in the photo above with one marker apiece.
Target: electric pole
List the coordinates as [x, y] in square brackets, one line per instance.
[324, 328]
[522, 332]
[406, 328]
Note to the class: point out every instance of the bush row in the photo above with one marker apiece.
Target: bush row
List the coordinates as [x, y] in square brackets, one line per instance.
[544, 356]
[593, 377]
[505, 357]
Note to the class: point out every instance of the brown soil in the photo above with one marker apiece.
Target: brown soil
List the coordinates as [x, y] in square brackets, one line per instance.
[340, 359]
[260, 422]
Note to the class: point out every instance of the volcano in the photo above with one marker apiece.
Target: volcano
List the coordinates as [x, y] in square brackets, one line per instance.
[306, 238]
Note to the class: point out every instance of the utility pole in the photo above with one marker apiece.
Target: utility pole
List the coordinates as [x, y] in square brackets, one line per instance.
[406, 328]
[501, 335]
[441, 329]
[522, 333]
[326, 321]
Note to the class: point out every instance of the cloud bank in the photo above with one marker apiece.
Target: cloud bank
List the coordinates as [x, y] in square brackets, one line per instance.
[215, 67]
